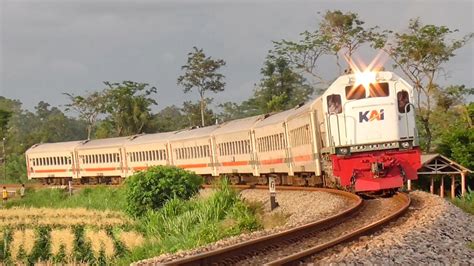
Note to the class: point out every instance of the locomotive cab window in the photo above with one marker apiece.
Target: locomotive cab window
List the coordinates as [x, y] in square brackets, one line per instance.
[402, 100]
[379, 90]
[355, 93]
[334, 104]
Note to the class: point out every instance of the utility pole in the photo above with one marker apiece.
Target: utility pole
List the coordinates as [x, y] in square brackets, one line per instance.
[4, 161]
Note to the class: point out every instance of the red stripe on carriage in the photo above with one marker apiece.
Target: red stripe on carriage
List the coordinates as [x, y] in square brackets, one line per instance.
[238, 163]
[273, 161]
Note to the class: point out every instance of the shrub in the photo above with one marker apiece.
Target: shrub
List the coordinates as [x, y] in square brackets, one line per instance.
[466, 203]
[150, 189]
[42, 247]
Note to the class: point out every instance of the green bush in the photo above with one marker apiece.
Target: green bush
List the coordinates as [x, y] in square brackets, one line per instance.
[466, 203]
[151, 189]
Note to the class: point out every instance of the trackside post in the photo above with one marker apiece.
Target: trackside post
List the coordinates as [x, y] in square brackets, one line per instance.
[272, 188]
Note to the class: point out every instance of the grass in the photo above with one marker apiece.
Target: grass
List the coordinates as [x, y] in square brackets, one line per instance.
[181, 224]
[99, 198]
[466, 203]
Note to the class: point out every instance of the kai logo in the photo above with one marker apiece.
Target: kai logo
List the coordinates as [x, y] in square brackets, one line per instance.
[369, 116]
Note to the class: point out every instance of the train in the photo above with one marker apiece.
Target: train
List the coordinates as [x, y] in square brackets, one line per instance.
[359, 135]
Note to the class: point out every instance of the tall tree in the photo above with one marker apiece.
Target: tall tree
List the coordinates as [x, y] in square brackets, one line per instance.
[201, 73]
[170, 119]
[89, 107]
[280, 87]
[193, 113]
[338, 33]
[129, 106]
[420, 54]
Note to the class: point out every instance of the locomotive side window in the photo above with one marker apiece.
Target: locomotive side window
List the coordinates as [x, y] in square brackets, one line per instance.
[334, 104]
[379, 90]
[403, 100]
[355, 93]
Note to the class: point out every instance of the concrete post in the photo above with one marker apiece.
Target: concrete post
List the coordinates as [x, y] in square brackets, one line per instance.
[453, 187]
[463, 183]
[432, 185]
[441, 187]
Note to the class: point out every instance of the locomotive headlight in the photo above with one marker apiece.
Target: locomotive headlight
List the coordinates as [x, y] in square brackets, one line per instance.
[365, 78]
[405, 144]
[342, 151]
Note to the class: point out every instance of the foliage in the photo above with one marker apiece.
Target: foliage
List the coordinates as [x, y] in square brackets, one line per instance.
[100, 198]
[128, 106]
[192, 113]
[150, 189]
[88, 107]
[280, 88]
[42, 247]
[420, 54]
[467, 202]
[201, 73]
[337, 33]
[182, 224]
[169, 119]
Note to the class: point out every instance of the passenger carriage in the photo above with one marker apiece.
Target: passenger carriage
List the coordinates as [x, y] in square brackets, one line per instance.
[194, 150]
[235, 154]
[52, 162]
[102, 160]
[147, 150]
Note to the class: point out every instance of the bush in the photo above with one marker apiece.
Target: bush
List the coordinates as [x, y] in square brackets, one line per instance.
[466, 203]
[150, 189]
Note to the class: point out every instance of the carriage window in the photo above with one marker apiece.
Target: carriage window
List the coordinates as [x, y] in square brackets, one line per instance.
[334, 104]
[379, 90]
[403, 100]
[355, 93]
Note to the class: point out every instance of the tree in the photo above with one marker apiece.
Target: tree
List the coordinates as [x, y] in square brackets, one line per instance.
[280, 87]
[337, 33]
[129, 106]
[201, 73]
[4, 118]
[420, 54]
[344, 32]
[169, 119]
[193, 113]
[88, 106]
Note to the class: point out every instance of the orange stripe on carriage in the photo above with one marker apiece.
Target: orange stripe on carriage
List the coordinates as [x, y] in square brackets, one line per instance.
[139, 168]
[302, 158]
[273, 161]
[50, 171]
[196, 165]
[101, 169]
[238, 163]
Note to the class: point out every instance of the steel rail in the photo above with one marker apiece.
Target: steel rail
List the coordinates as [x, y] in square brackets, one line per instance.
[295, 259]
[217, 255]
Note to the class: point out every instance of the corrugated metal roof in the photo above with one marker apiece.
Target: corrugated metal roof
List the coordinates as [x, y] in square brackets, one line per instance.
[53, 147]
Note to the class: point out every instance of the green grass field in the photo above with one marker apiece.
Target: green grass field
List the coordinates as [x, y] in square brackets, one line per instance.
[466, 203]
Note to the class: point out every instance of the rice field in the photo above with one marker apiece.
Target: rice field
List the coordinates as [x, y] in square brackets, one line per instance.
[65, 236]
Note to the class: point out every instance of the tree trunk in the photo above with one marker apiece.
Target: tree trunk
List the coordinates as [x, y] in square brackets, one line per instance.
[429, 136]
[202, 112]
[89, 131]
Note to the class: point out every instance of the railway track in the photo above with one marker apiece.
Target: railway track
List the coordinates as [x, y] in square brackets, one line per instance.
[299, 244]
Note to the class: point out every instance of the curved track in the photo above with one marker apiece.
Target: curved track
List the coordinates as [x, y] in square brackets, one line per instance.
[299, 244]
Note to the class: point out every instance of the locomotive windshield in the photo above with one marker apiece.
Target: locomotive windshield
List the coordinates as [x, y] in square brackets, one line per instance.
[375, 90]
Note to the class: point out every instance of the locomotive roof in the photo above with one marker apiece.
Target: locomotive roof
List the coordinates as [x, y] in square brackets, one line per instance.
[283, 116]
[243, 124]
[53, 147]
[151, 138]
[194, 133]
[102, 143]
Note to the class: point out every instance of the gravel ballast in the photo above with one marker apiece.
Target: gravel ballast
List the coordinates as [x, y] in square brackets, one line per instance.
[433, 231]
[300, 207]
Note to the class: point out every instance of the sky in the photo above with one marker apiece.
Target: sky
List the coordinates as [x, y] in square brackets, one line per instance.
[51, 47]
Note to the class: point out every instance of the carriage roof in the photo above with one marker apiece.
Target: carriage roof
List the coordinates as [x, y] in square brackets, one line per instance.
[283, 116]
[53, 147]
[243, 124]
[104, 143]
[151, 138]
[194, 133]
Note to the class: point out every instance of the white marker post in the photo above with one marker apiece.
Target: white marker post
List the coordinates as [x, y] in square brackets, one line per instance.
[272, 188]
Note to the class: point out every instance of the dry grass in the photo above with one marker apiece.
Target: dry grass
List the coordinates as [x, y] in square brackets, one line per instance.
[16, 217]
[100, 239]
[23, 238]
[62, 237]
[131, 239]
